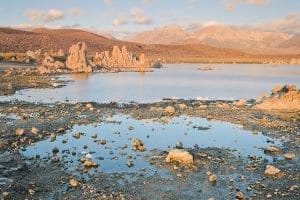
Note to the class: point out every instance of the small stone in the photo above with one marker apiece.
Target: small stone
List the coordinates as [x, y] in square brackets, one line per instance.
[212, 178]
[53, 136]
[182, 106]
[19, 131]
[272, 149]
[289, 156]
[73, 182]
[130, 164]
[179, 145]
[269, 196]
[89, 106]
[89, 163]
[130, 128]
[55, 150]
[34, 130]
[271, 170]
[239, 195]
[76, 135]
[31, 191]
[5, 195]
[169, 109]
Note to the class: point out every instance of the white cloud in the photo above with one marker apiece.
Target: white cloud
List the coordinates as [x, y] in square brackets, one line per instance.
[109, 2]
[76, 11]
[230, 5]
[139, 16]
[119, 21]
[45, 16]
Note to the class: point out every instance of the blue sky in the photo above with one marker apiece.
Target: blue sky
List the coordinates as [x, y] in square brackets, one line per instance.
[125, 17]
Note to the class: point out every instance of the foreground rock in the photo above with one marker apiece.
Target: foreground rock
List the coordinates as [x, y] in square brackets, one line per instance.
[181, 156]
[271, 170]
[286, 98]
[77, 59]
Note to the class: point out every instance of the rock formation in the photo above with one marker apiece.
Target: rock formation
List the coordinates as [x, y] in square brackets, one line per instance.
[286, 98]
[77, 59]
[295, 61]
[119, 59]
[49, 65]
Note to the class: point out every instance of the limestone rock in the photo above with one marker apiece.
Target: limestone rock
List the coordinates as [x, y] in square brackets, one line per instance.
[138, 145]
[77, 59]
[271, 170]
[181, 156]
[287, 98]
[119, 58]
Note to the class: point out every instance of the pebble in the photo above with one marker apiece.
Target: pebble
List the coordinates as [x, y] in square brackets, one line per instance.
[76, 135]
[34, 130]
[289, 156]
[73, 182]
[212, 178]
[239, 195]
[179, 145]
[19, 131]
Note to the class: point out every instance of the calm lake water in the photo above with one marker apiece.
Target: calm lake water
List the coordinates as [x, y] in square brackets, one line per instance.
[225, 81]
[154, 134]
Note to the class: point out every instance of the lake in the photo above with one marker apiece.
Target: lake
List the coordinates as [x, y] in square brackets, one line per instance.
[225, 81]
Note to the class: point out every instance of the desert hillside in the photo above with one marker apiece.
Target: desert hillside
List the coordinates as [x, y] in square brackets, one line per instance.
[55, 39]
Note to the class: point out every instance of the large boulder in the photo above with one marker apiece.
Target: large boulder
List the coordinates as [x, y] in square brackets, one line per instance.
[181, 156]
[285, 98]
[77, 59]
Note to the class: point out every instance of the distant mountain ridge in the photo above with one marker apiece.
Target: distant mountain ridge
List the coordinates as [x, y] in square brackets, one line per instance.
[219, 36]
[12, 40]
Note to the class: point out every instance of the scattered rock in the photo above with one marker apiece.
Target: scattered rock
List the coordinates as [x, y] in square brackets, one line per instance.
[212, 178]
[130, 164]
[239, 195]
[181, 156]
[179, 145]
[240, 102]
[289, 156]
[182, 106]
[138, 145]
[271, 170]
[34, 130]
[88, 163]
[19, 131]
[76, 135]
[272, 149]
[169, 109]
[73, 182]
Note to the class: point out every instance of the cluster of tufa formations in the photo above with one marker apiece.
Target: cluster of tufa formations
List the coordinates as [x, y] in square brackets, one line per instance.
[77, 61]
[282, 98]
[119, 59]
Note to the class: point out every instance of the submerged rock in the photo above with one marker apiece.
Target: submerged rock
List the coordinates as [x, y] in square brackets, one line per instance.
[138, 145]
[181, 156]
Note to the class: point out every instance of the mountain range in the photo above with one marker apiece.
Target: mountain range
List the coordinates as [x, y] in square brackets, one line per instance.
[175, 50]
[257, 42]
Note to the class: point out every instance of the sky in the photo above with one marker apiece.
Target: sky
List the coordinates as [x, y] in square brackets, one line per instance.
[122, 18]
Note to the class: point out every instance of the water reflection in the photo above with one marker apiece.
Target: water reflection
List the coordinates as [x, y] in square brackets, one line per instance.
[112, 156]
[225, 81]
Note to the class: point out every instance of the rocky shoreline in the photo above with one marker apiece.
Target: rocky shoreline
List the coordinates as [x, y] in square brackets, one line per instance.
[47, 119]
[214, 173]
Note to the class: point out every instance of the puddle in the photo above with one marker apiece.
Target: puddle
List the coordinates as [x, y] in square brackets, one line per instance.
[155, 135]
